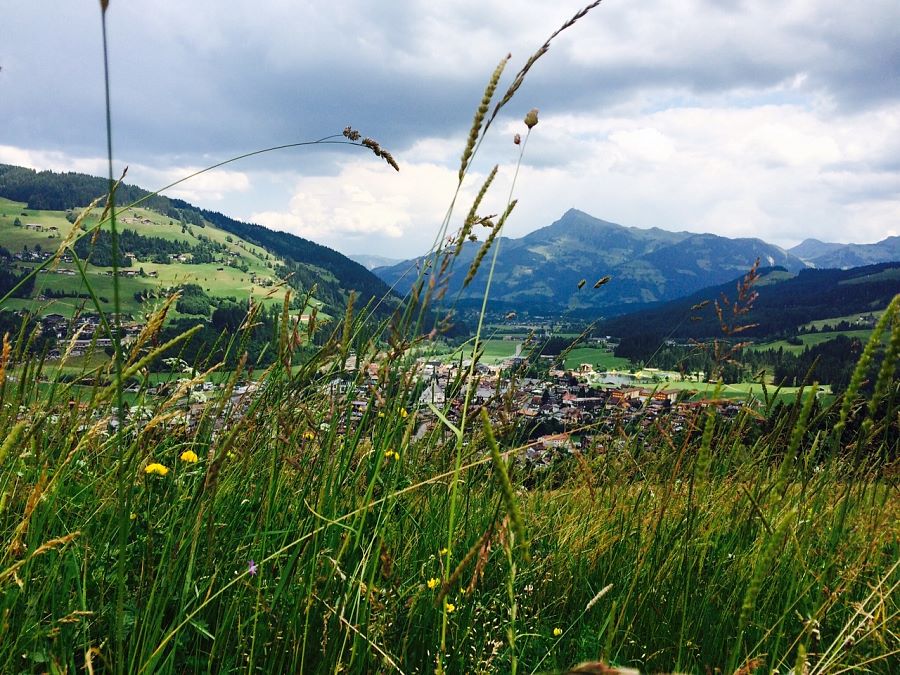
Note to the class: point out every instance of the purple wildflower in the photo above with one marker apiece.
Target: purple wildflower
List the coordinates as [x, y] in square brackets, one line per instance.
[251, 568]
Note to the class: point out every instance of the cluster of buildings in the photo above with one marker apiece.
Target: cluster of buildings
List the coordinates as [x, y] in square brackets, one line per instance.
[84, 334]
[561, 412]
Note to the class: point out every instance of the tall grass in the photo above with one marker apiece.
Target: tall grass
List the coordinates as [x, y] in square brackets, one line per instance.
[289, 529]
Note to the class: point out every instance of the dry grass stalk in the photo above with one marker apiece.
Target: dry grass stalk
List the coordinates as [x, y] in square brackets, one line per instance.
[509, 495]
[4, 357]
[520, 76]
[474, 550]
[485, 247]
[145, 360]
[599, 594]
[480, 113]
[471, 217]
[373, 145]
[74, 232]
[152, 326]
[586, 474]
[16, 547]
[49, 545]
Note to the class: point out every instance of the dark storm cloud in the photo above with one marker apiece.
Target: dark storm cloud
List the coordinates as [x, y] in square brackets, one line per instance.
[220, 79]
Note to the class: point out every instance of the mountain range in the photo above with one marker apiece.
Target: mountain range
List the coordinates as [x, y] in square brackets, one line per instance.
[842, 256]
[541, 273]
[551, 271]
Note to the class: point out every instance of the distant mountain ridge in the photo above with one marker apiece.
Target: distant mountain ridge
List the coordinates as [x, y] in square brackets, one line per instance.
[541, 272]
[785, 302]
[842, 256]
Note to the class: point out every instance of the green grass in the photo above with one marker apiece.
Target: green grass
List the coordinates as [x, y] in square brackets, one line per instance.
[495, 351]
[217, 279]
[600, 359]
[819, 324]
[811, 339]
[296, 531]
[345, 539]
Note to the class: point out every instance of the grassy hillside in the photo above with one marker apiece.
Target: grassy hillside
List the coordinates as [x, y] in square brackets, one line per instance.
[46, 196]
[784, 303]
[44, 230]
[810, 340]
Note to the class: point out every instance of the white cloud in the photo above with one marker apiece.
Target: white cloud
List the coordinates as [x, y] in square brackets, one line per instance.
[209, 186]
[41, 160]
[370, 206]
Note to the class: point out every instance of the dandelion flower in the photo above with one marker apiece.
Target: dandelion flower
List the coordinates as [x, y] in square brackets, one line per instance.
[450, 607]
[189, 456]
[557, 632]
[156, 468]
[432, 583]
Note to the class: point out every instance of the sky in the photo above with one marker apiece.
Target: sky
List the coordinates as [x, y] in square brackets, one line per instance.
[757, 118]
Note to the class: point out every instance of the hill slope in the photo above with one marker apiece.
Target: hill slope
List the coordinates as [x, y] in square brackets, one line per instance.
[190, 245]
[785, 302]
[540, 272]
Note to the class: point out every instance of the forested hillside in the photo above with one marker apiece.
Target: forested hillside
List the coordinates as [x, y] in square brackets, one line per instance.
[307, 262]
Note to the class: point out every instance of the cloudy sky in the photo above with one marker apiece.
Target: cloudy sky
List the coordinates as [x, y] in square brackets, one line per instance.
[777, 119]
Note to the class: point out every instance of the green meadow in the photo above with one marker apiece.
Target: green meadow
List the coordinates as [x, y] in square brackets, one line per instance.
[811, 339]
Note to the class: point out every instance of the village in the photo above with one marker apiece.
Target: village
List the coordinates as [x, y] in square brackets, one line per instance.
[557, 414]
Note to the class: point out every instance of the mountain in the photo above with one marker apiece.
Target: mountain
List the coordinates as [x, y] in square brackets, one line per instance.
[810, 249]
[540, 272]
[785, 301]
[178, 241]
[842, 256]
[370, 262]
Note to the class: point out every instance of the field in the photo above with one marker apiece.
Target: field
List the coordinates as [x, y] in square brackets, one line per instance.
[600, 359]
[495, 351]
[217, 280]
[831, 323]
[811, 339]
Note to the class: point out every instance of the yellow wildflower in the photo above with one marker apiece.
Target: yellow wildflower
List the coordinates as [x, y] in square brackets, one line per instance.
[432, 583]
[392, 454]
[403, 412]
[308, 436]
[189, 456]
[557, 632]
[156, 468]
[133, 516]
[450, 607]
[444, 551]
